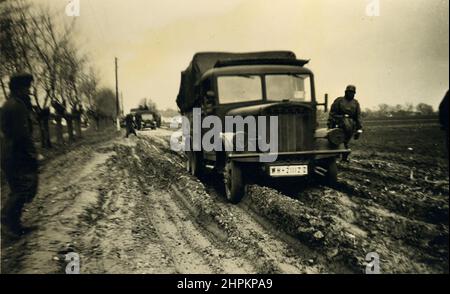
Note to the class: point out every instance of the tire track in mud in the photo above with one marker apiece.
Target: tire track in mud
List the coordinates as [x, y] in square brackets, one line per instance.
[231, 225]
[190, 249]
[175, 231]
[284, 256]
[247, 226]
[309, 253]
[117, 238]
[133, 208]
[345, 222]
[296, 254]
[111, 235]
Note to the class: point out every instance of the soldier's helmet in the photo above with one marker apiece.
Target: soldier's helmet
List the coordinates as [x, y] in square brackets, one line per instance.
[350, 88]
[20, 80]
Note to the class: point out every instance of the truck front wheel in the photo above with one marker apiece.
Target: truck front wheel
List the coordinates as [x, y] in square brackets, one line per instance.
[194, 163]
[234, 182]
[326, 171]
[331, 175]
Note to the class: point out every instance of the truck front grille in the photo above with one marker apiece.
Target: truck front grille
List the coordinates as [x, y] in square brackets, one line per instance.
[295, 128]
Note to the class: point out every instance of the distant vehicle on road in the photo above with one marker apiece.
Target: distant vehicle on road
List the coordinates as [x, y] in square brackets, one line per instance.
[148, 120]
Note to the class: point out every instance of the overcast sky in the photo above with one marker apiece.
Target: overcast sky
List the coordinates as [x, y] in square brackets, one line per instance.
[400, 56]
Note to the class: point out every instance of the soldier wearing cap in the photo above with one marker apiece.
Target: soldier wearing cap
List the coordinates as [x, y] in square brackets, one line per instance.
[19, 161]
[345, 113]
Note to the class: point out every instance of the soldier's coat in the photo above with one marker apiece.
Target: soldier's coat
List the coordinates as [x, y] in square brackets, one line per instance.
[17, 149]
[343, 106]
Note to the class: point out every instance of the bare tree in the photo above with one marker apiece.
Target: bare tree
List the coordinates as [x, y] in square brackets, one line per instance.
[147, 104]
[409, 108]
[88, 90]
[71, 77]
[34, 44]
[19, 54]
[424, 109]
[88, 87]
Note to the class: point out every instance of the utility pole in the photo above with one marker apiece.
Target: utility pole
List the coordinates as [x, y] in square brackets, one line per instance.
[121, 103]
[117, 98]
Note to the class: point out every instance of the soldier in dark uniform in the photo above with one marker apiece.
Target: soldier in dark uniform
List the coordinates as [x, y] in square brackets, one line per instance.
[345, 113]
[130, 125]
[138, 118]
[19, 159]
[443, 117]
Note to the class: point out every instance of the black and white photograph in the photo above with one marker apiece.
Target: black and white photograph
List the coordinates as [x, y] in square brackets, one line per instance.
[225, 137]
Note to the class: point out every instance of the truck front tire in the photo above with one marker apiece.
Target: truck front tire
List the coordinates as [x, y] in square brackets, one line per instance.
[327, 175]
[194, 163]
[234, 182]
[331, 175]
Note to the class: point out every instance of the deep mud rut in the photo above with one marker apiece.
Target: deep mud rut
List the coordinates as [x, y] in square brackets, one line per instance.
[129, 206]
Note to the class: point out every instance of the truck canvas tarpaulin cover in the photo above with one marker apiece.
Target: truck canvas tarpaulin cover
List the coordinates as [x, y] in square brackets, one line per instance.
[202, 62]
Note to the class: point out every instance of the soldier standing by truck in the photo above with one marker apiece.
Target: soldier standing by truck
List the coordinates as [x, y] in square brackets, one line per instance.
[345, 114]
[19, 158]
[138, 119]
[130, 125]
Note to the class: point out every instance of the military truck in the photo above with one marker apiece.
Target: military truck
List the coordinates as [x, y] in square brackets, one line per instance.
[149, 118]
[273, 83]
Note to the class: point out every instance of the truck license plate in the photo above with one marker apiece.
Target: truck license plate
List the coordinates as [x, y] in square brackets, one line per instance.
[288, 170]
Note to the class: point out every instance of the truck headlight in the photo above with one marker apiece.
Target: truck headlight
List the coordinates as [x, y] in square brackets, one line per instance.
[336, 136]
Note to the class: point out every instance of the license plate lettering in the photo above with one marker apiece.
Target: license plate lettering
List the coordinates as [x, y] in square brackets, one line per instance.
[288, 170]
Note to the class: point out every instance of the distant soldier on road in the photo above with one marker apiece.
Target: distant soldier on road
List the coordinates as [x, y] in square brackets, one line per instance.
[138, 118]
[345, 113]
[130, 125]
[19, 158]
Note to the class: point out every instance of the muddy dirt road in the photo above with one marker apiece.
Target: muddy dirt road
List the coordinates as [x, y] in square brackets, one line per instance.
[129, 206]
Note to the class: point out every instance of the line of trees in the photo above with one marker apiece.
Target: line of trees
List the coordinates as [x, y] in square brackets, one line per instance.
[408, 109]
[386, 110]
[66, 85]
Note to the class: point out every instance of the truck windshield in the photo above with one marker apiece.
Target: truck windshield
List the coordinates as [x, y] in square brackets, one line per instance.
[288, 87]
[243, 88]
[147, 116]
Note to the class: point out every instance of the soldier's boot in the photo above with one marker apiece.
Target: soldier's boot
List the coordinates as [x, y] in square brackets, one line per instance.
[345, 155]
[11, 217]
[25, 230]
[14, 226]
[23, 190]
